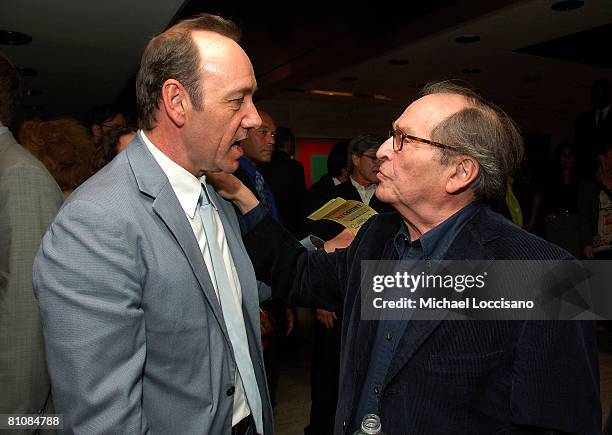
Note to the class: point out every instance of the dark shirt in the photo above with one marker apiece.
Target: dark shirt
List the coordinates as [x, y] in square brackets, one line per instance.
[432, 245]
[250, 169]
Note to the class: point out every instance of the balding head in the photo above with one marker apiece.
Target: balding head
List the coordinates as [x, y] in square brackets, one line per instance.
[174, 55]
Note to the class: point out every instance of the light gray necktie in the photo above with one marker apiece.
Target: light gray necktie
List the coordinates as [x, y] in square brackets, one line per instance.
[235, 328]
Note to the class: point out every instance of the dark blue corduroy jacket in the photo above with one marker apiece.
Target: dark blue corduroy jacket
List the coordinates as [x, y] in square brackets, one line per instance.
[455, 377]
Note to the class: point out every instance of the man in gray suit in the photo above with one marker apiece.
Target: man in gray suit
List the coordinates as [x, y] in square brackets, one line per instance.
[151, 320]
[29, 199]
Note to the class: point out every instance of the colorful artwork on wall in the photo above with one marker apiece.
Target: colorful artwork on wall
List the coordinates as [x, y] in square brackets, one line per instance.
[312, 153]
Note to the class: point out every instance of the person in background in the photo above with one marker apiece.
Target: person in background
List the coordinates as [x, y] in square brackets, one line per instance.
[593, 128]
[258, 149]
[29, 200]
[562, 221]
[64, 146]
[285, 176]
[120, 137]
[322, 190]
[101, 121]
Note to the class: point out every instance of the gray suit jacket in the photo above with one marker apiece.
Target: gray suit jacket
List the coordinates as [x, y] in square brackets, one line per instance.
[135, 337]
[29, 200]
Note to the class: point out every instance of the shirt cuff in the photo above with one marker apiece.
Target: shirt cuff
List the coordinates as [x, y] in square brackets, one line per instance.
[312, 243]
[253, 217]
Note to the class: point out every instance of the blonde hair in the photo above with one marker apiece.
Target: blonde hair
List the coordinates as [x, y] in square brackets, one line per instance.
[63, 145]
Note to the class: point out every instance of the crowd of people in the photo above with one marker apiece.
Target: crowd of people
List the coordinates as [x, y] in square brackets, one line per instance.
[157, 297]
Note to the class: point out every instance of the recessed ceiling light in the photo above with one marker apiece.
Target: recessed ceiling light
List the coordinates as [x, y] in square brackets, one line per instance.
[8, 37]
[331, 93]
[467, 39]
[398, 62]
[532, 79]
[471, 71]
[348, 79]
[31, 93]
[382, 97]
[27, 72]
[567, 5]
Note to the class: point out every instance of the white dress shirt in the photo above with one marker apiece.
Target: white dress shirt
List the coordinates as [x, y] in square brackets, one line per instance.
[365, 193]
[187, 189]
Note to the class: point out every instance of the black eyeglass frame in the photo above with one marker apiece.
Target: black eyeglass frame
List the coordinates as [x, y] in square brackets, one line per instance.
[373, 158]
[399, 137]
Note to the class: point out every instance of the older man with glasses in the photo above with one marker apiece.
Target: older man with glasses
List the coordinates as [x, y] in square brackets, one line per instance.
[449, 154]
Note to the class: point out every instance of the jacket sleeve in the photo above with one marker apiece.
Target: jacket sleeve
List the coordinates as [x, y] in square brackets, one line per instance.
[88, 288]
[298, 276]
[29, 200]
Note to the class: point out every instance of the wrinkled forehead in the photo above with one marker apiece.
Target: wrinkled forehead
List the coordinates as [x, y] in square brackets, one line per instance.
[424, 114]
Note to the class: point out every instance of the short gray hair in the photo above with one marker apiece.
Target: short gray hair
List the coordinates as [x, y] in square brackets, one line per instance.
[359, 145]
[483, 131]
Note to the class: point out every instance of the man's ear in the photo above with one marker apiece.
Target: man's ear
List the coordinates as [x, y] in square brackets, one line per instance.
[175, 101]
[463, 170]
[355, 159]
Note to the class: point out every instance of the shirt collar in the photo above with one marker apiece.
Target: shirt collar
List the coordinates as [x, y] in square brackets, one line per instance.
[185, 185]
[436, 241]
[248, 166]
[3, 130]
[359, 187]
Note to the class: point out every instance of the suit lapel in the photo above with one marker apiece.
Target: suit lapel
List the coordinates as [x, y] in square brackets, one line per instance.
[153, 182]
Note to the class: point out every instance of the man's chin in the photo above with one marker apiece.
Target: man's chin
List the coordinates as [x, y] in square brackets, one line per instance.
[230, 167]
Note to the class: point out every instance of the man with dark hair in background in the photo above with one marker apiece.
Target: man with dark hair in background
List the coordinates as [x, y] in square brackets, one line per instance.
[29, 200]
[322, 190]
[258, 149]
[150, 304]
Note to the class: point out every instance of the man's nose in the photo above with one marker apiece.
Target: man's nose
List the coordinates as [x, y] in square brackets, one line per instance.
[252, 118]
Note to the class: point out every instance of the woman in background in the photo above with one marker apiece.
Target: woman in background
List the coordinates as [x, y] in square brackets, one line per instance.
[64, 146]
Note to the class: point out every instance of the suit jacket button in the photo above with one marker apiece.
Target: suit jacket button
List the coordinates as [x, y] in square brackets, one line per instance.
[230, 391]
[344, 423]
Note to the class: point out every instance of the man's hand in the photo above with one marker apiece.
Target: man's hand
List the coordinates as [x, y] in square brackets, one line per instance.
[232, 189]
[342, 240]
[326, 318]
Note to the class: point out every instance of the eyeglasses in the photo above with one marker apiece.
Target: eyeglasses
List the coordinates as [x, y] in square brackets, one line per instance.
[399, 137]
[264, 132]
[373, 158]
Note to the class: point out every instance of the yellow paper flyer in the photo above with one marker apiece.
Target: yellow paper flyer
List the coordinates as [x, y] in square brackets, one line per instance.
[348, 213]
